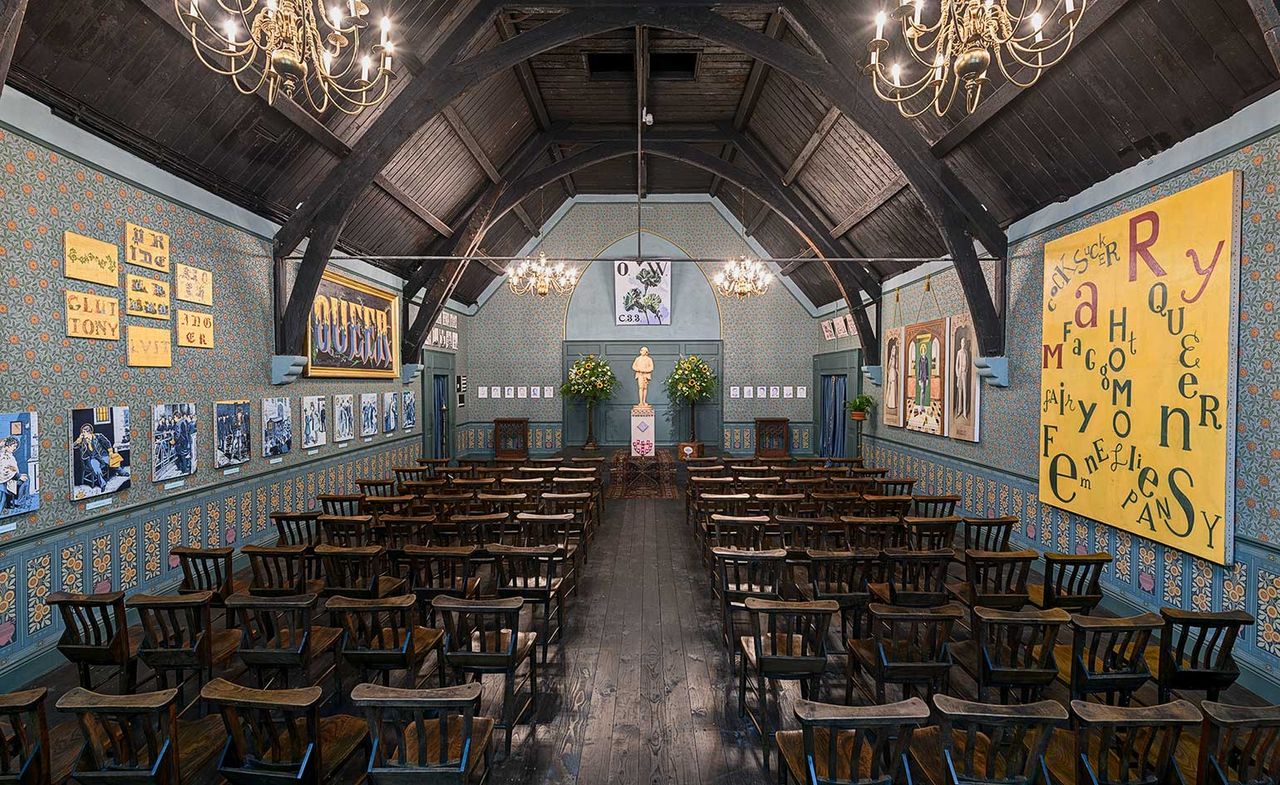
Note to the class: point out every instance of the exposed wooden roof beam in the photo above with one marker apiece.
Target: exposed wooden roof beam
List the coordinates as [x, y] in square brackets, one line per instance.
[413, 205]
[868, 207]
[1095, 16]
[811, 146]
[642, 101]
[774, 28]
[801, 258]
[584, 133]
[472, 144]
[1268, 14]
[10, 23]
[758, 219]
[489, 264]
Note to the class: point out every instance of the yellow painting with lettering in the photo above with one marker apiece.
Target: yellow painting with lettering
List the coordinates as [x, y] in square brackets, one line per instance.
[195, 329]
[1137, 409]
[146, 297]
[193, 284]
[146, 247]
[150, 347]
[92, 316]
[87, 259]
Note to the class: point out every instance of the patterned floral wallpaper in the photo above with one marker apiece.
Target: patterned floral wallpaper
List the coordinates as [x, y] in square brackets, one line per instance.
[999, 472]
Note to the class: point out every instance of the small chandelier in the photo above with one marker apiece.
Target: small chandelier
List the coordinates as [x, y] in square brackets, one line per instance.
[296, 47]
[743, 277]
[957, 49]
[541, 277]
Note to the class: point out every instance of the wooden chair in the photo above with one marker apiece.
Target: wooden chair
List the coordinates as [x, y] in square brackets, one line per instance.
[843, 576]
[1120, 745]
[425, 736]
[930, 534]
[914, 579]
[95, 634]
[137, 739]
[1108, 656]
[802, 534]
[696, 485]
[868, 471]
[442, 505]
[708, 504]
[480, 530]
[1013, 652]
[994, 579]
[408, 474]
[531, 487]
[280, 639]
[433, 571]
[547, 460]
[379, 487]
[300, 528]
[1196, 651]
[989, 744]
[416, 488]
[853, 484]
[497, 472]
[434, 465]
[509, 504]
[909, 647]
[850, 745]
[1071, 582]
[788, 642]
[564, 530]
[473, 484]
[742, 575]
[209, 569]
[884, 506]
[380, 507]
[880, 534]
[178, 638]
[25, 751]
[347, 531]
[535, 574]
[934, 506]
[344, 504]
[395, 532]
[279, 571]
[357, 572]
[484, 636]
[1240, 745]
[579, 504]
[835, 504]
[987, 534]
[744, 533]
[379, 635]
[777, 505]
[279, 735]
[894, 486]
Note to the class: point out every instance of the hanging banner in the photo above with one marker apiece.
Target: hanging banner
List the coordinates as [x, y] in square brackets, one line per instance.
[641, 293]
[91, 260]
[195, 329]
[92, 316]
[891, 356]
[146, 247]
[354, 330]
[964, 392]
[1137, 416]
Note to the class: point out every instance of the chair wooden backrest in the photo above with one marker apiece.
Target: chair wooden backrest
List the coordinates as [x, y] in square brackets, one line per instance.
[298, 528]
[206, 569]
[753, 484]
[442, 505]
[934, 506]
[549, 460]
[844, 575]
[418, 488]
[278, 571]
[894, 486]
[835, 504]
[887, 506]
[929, 534]
[420, 736]
[275, 632]
[1240, 745]
[397, 531]
[533, 487]
[434, 465]
[988, 534]
[998, 579]
[992, 744]
[823, 534]
[345, 504]
[436, 570]
[588, 460]
[852, 484]
[578, 503]
[913, 641]
[1108, 655]
[378, 632]
[24, 756]
[497, 472]
[578, 471]
[347, 531]
[788, 471]
[542, 529]
[790, 638]
[480, 530]
[508, 504]
[777, 505]
[272, 735]
[868, 743]
[799, 484]
[917, 579]
[744, 574]
[379, 487]
[1119, 745]
[868, 471]
[473, 484]
[698, 484]
[1016, 651]
[527, 570]
[177, 631]
[480, 634]
[94, 628]
[128, 738]
[561, 483]
[1196, 651]
[709, 504]
[739, 532]
[408, 474]
[877, 533]
[351, 572]
[381, 506]
[1073, 581]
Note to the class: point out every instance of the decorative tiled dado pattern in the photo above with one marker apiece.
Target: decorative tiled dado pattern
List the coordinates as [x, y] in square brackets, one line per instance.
[475, 439]
[1144, 574]
[741, 438]
[58, 562]
[44, 193]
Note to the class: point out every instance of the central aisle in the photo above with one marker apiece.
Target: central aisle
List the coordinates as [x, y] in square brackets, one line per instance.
[643, 691]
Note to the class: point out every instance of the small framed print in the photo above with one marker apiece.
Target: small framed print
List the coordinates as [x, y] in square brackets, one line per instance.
[788, 392]
[828, 332]
[509, 392]
[522, 392]
[535, 391]
[735, 392]
[495, 391]
[748, 392]
[548, 392]
[762, 391]
[851, 325]
[775, 392]
[482, 392]
[802, 392]
[842, 329]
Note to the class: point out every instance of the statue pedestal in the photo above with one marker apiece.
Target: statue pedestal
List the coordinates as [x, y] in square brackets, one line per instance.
[642, 431]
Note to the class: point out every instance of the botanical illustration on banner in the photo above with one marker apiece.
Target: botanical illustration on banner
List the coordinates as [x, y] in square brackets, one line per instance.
[231, 435]
[1137, 415]
[641, 293]
[964, 409]
[926, 374]
[19, 463]
[100, 445]
[354, 330]
[891, 354]
[173, 441]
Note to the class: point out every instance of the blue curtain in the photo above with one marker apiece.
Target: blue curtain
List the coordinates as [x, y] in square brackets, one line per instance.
[832, 445]
[441, 401]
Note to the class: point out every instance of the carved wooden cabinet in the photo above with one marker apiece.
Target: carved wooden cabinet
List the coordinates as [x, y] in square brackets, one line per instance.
[511, 438]
[773, 437]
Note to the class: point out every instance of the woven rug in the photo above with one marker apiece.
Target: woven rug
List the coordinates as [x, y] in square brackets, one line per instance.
[642, 478]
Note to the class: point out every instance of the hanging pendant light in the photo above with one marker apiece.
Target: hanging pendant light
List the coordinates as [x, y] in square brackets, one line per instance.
[541, 277]
[743, 277]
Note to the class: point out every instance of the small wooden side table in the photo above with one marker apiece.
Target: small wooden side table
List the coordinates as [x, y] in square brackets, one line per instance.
[511, 438]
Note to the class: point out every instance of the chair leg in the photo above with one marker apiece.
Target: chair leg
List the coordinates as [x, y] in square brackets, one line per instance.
[766, 737]
[742, 687]
[507, 692]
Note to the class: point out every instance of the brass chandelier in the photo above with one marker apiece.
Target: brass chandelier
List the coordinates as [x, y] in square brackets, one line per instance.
[743, 277]
[957, 48]
[541, 277]
[297, 47]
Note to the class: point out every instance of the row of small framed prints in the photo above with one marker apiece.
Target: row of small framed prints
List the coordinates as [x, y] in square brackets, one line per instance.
[769, 391]
[497, 391]
[839, 327]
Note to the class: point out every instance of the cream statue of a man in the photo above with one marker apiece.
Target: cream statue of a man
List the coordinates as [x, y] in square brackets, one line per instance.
[643, 366]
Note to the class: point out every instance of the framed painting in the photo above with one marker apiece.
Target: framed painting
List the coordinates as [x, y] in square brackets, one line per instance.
[100, 449]
[925, 353]
[892, 359]
[315, 421]
[19, 463]
[231, 436]
[173, 441]
[354, 330]
[964, 401]
[277, 427]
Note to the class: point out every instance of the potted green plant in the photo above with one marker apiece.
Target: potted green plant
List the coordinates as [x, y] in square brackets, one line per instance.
[691, 381]
[591, 379]
[859, 406]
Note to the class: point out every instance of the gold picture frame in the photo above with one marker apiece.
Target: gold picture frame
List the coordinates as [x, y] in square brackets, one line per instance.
[339, 299]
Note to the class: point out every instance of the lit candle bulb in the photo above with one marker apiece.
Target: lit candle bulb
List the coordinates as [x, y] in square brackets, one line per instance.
[271, 6]
[386, 62]
[1071, 6]
[230, 29]
[335, 15]
[880, 20]
[1036, 23]
[386, 29]
[327, 58]
[918, 13]
[896, 73]
[364, 68]
[193, 10]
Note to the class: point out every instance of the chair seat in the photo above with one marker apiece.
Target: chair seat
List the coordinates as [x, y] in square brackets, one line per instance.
[389, 586]
[879, 593]
[499, 641]
[340, 735]
[865, 651]
[535, 584]
[786, 646]
[198, 740]
[424, 640]
[322, 638]
[791, 746]
[1035, 594]
[481, 735]
[224, 645]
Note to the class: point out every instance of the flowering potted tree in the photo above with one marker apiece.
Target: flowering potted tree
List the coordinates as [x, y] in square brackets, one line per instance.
[691, 381]
[591, 379]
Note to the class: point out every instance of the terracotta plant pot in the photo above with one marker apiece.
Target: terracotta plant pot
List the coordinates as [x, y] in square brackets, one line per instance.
[857, 415]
